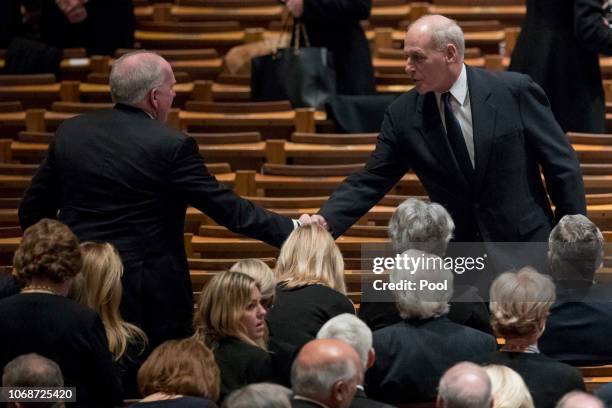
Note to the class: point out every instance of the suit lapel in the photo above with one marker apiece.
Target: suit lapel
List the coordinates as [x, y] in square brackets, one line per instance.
[483, 123]
[435, 136]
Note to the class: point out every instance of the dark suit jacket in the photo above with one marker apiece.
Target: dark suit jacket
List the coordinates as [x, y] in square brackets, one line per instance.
[548, 380]
[361, 400]
[334, 24]
[514, 132]
[119, 176]
[412, 355]
[66, 332]
[575, 30]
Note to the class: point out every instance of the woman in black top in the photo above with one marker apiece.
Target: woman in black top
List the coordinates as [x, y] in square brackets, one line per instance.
[311, 289]
[179, 374]
[42, 320]
[230, 319]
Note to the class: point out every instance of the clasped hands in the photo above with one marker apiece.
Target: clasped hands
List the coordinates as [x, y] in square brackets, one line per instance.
[313, 219]
[74, 10]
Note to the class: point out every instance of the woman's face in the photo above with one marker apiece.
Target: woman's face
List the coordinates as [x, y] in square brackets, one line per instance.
[253, 316]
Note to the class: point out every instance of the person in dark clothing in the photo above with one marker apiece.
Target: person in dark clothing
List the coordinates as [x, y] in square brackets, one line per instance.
[335, 25]
[230, 320]
[311, 289]
[179, 374]
[520, 302]
[559, 40]
[42, 320]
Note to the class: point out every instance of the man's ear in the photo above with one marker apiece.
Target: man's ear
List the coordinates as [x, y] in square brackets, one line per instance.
[371, 358]
[153, 97]
[439, 402]
[340, 391]
[452, 54]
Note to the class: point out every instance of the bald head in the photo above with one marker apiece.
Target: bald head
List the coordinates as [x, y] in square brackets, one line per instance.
[464, 385]
[579, 399]
[328, 371]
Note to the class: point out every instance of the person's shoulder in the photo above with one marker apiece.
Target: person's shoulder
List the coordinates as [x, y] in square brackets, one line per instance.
[403, 102]
[240, 351]
[496, 79]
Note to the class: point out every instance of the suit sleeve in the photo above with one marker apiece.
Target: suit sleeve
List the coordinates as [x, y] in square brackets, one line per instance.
[590, 28]
[42, 198]
[336, 11]
[363, 189]
[554, 153]
[189, 176]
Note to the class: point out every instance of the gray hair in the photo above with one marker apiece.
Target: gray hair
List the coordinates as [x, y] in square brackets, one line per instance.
[443, 32]
[33, 370]
[579, 399]
[130, 81]
[351, 330]
[465, 385]
[316, 380]
[416, 224]
[422, 304]
[575, 248]
[262, 395]
[508, 388]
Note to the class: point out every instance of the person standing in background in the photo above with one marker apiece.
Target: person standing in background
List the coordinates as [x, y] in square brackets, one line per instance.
[559, 48]
[335, 25]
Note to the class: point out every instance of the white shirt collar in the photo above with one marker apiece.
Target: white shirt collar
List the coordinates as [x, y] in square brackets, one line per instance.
[459, 90]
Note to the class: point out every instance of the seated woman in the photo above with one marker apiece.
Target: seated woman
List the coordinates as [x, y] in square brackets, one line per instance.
[179, 373]
[230, 320]
[42, 320]
[311, 289]
[519, 303]
[99, 287]
[508, 388]
[263, 275]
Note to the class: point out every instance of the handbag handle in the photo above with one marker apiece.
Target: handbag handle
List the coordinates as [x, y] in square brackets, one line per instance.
[299, 28]
[287, 21]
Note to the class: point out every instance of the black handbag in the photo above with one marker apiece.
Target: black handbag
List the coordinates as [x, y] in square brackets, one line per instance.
[304, 76]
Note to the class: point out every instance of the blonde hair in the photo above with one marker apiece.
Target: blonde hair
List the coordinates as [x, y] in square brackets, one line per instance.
[258, 270]
[221, 305]
[520, 302]
[508, 388]
[100, 288]
[310, 256]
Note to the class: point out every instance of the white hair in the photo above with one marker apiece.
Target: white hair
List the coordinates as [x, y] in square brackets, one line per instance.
[351, 330]
[465, 385]
[262, 395]
[579, 399]
[422, 304]
[316, 380]
[130, 81]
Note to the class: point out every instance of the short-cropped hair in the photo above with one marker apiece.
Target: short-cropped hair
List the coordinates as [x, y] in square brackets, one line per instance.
[131, 80]
[416, 224]
[185, 367]
[509, 389]
[444, 33]
[579, 399]
[465, 385]
[520, 301]
[575, 248]
[261, 395]
[48, 250]
[351, 330]
[33, 370]
[423, 304]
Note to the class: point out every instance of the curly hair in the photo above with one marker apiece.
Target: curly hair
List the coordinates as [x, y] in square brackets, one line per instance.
[47, 250]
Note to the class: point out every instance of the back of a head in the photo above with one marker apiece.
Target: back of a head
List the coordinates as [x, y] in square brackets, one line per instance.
[427, 301]
[520, 301]
[134, 74]
[575, 248]
[508, 388]
[262, 395]
[48, 250]
[33, 370]
[465, 385]
[310, 256]
[101, 276]
[579, 399]
[324, 365]
[258, 270]
[416, 224]
[180, 367]
[350, 329]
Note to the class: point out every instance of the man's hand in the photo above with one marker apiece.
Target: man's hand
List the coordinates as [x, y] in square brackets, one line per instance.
[74, 10]
[314, 219]
[295, 7]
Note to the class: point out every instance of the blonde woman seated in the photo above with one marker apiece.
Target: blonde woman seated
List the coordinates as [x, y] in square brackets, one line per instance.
[230, 319]
[99, 287]
[519, 303]
[508, 388]
[258, 270]
[179, 373]
[311, 289]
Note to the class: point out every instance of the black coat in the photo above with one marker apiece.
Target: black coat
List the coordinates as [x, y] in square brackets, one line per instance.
[559, 48]
[334, 24]
[119, 176]
[66, 332]
[361, 400]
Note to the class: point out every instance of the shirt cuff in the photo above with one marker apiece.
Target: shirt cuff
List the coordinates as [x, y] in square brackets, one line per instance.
[296, 223]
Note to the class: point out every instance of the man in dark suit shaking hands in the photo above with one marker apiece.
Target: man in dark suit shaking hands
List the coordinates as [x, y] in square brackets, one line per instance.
[122, 176]
[476, 140]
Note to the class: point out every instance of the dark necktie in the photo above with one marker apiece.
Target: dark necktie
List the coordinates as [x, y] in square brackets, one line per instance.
[456, 139]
